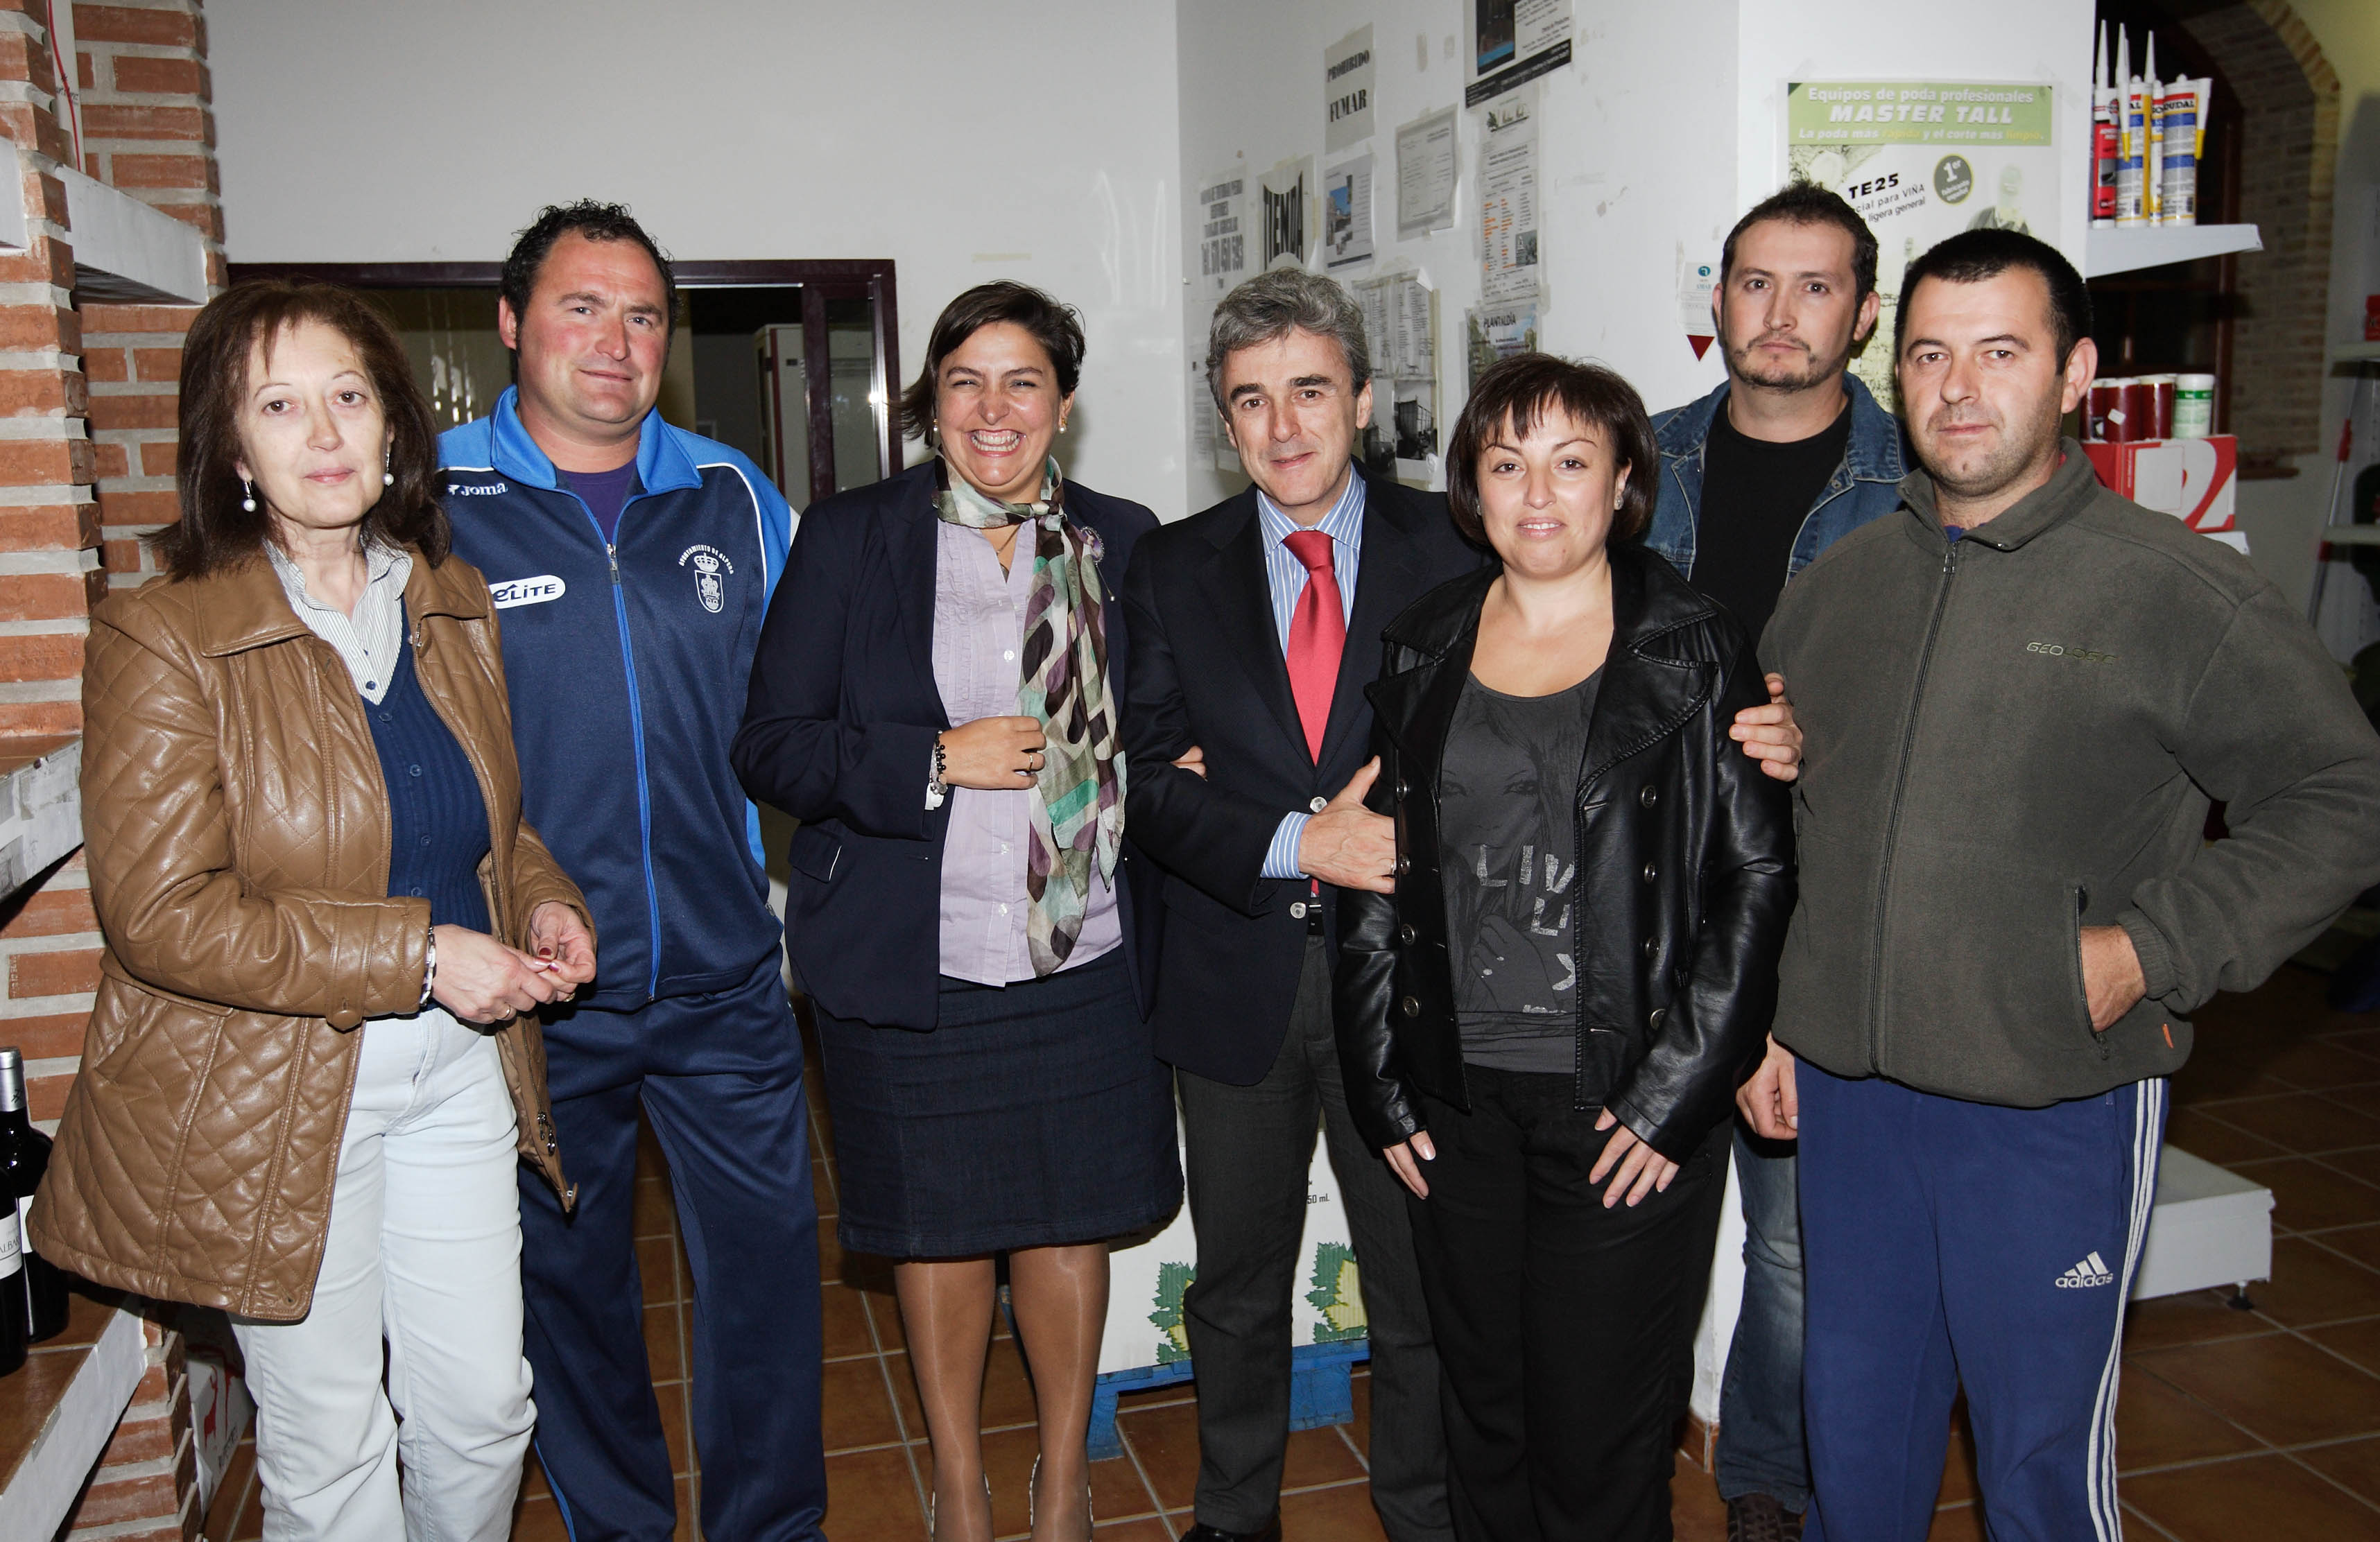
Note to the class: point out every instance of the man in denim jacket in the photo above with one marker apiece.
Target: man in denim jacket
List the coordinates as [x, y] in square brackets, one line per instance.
[1757, 479]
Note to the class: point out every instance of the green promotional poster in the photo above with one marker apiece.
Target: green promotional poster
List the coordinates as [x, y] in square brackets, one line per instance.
[1921, 160]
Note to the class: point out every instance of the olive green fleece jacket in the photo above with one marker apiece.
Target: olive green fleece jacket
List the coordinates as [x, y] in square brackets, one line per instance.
[2014, 736]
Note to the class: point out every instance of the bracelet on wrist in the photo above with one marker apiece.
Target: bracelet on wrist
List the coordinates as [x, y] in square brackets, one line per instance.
[430, 967]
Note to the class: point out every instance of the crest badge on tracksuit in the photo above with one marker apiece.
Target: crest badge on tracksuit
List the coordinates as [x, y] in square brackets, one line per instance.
[709, 562]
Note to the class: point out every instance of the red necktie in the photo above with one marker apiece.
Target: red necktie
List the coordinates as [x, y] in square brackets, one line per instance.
[1318, 635]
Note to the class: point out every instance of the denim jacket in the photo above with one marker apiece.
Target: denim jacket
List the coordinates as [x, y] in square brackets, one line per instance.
[1864, 486]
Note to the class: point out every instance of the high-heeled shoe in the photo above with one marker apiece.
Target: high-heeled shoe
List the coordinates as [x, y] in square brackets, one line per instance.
[933, 1531]
[1090, 1520]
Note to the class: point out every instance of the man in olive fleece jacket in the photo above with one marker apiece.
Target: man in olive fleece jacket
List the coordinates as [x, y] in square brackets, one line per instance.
[2019, 694]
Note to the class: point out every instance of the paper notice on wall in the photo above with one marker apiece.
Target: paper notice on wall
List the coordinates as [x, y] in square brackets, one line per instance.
[1223, 216]
[1401, 333]
[1695, 283]
[1921, 160]
[1508, 200]
[1347, 214]
[1515, 41]
[1495, 336]
[1347, 90]
[1286, 214]
[1425, 175]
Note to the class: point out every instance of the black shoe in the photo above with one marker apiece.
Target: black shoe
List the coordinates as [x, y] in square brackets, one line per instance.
[1759, 1518]
[1269, 1531]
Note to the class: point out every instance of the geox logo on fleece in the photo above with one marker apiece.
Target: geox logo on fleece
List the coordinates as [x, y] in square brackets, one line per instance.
[2059, 651]
[465, 490]
[527, 591]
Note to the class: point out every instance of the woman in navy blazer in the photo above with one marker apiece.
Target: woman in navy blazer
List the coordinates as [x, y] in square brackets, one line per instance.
[937, 699]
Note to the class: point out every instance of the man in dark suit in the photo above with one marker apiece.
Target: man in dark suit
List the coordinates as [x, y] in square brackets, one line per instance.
[1252, 676]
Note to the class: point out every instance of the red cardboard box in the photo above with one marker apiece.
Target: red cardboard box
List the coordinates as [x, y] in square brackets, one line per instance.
[2196, 480]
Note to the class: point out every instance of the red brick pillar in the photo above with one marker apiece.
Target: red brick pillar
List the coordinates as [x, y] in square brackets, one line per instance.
[146, 1486]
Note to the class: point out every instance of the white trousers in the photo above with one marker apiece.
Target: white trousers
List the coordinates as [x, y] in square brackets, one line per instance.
[424, 1253]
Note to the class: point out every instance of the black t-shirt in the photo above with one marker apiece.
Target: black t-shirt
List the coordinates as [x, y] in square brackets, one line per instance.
[1508, 854]
[1756, 495]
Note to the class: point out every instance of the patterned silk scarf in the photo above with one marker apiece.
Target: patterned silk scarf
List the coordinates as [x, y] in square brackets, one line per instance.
[1076, 802]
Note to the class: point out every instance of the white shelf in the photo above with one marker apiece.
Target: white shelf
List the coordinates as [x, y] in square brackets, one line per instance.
[2110, 250]
[2349, 353]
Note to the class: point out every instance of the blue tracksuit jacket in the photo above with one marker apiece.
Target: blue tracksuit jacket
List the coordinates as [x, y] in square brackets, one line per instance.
[626, 664]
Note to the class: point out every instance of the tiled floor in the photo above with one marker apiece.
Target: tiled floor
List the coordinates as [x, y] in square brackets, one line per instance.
[2262, 1424]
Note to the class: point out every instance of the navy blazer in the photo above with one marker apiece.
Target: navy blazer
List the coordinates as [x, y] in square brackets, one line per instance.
[1210, 673]
[839, 730]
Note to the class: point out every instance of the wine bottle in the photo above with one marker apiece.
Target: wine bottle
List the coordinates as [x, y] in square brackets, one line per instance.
[24, 1157]
[13, 1312]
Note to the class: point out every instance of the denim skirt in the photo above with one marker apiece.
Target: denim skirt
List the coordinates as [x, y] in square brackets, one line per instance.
[1034, 1115]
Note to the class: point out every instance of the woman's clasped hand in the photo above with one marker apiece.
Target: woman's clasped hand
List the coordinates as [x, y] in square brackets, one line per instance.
[482, 980]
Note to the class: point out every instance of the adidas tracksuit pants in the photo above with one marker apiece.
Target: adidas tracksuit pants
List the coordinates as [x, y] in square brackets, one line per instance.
[1952, 1244]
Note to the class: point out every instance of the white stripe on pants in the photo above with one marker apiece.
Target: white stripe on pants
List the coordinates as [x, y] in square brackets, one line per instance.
[424, 1250]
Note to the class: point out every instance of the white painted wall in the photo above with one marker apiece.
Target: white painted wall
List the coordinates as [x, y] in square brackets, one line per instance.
[1659, 135]
[964, 143]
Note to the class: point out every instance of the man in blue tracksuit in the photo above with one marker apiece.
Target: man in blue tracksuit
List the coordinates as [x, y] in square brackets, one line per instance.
[1757, 479]
[632, 564]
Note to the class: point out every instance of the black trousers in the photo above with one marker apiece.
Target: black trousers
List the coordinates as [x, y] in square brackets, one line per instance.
[1250, 1148]
[1566, 1328]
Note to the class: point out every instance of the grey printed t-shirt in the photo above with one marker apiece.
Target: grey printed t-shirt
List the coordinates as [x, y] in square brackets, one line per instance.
[1508, 833]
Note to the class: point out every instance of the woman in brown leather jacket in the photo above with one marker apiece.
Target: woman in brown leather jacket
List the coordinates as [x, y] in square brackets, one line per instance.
[1544, 1027]
[314, 1054]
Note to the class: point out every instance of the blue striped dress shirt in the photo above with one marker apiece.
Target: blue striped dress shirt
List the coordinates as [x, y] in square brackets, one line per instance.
[1285, 577]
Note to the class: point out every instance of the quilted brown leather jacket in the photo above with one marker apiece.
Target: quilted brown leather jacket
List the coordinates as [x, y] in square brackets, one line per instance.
[238, 832]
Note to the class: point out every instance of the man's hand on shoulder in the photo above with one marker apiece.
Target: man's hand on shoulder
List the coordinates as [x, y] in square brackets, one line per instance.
[2112, 981]
[1769, 734]
[1347, 844]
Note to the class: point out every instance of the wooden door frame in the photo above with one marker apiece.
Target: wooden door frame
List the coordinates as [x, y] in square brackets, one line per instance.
[819, 281]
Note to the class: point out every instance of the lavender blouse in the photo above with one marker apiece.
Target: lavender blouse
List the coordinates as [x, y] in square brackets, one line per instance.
[979, 632]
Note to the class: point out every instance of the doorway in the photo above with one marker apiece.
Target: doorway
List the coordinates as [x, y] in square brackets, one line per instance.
[793, 363]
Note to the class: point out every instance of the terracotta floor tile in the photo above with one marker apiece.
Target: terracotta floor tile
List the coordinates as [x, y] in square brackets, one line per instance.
[1148, 1530]
[2364, 1098]
[1117, 1493]
[657, 1268]
[2359, 1341]
[2194, 1317]
[2318, 1065]
[535, 1520]
[2255, 1497]
[664, 1354]
[2303, 1123]
[1318, 1456]
[2355, 1464]
[2308, 1195]
[1958, 1522]
[1360, 1429]
[2212, 1078]
[2363, 1163]
[2157, 1425]
[533, 1478]
[830, 1259]
[2359, 1242]
[858, 1411]
[2311, 1284]
[2203, 1135]
[1331, 1515]
[1007, 1392]
[871, 1497]
[1152, 1397]
[1166, 1441]
[235, 1490]
[2280, 1387]
[680, 1439]
[844, 1314]
[655, 1214]
[690, 1514]
[822, 1188]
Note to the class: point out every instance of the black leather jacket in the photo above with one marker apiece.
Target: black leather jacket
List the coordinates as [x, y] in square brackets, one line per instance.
[1685, 861]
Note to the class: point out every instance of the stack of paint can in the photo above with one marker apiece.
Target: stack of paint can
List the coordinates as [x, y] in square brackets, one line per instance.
[2125, 409]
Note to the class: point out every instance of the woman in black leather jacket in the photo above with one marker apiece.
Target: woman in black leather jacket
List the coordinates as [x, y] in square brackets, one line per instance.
[1544, 1026]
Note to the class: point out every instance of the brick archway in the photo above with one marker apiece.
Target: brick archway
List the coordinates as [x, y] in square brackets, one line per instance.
[2288, 94]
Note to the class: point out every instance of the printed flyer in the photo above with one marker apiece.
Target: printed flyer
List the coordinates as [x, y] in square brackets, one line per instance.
[1508, 200]
[1921, 160]
[1223, 216]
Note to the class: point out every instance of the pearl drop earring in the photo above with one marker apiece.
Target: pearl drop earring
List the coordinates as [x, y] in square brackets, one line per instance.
[388, 472]
[248, 502]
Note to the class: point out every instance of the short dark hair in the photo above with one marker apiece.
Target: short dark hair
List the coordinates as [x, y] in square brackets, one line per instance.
[1522, 391]
[214, 531]
[1973, 256]
[595, 221]
[1054, 325]
[1802, 202]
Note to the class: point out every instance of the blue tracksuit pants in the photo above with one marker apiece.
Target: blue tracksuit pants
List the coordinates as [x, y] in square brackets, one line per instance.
[1950, 1244]
[720, 1076]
